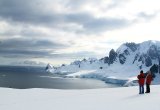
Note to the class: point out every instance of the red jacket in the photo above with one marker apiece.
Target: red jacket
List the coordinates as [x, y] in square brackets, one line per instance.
[149, 79]
[141, 79]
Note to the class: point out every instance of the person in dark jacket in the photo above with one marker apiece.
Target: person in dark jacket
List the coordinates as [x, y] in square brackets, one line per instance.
[149, 78]
[141, 79]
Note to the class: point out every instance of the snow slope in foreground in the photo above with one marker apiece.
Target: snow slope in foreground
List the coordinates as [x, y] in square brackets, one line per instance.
[125, 98]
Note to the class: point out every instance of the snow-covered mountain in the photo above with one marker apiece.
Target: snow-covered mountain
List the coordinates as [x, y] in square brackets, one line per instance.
[142, 55]
[50, 68]
[125, 62]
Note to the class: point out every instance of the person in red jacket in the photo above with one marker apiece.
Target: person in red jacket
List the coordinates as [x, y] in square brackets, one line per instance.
[141, 79]
[149, 78]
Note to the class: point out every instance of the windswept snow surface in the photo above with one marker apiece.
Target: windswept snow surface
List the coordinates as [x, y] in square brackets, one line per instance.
[124, 98]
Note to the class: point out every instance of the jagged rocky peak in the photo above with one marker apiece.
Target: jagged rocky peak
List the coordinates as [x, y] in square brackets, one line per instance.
[92, 59]
[133, 46]
[145, 53]
[150, 45]
[109, 59]
[105, 60]
[89, 60]
[49, 66]
[76, 62]
[126, 48]
[149, 50]
[112, 56]
[153, 52]
[148, 53]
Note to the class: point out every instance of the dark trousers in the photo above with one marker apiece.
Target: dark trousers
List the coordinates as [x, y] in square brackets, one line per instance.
[141, 89]
[147, 88]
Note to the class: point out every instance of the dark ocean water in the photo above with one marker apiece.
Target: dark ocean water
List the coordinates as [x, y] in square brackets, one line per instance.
[23, 77]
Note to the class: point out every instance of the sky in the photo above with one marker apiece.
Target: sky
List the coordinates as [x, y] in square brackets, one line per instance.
[60, 31]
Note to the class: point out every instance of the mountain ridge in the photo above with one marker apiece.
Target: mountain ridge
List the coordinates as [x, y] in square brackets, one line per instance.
[120, 65]
[144, 54]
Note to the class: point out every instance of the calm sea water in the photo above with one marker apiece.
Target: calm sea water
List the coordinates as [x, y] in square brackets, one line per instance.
[23, 77]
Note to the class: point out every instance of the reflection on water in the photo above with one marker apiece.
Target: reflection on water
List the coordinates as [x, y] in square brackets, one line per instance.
[36, 77]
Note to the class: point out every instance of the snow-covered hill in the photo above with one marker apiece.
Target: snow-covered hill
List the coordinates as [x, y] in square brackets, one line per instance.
[121, 66]
[93, 99]
[50, 68]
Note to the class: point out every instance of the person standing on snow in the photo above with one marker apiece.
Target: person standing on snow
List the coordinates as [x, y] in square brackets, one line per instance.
[149, 78]
[141, 79]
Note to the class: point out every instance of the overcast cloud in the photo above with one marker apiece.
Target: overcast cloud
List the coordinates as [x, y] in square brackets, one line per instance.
[72, 29]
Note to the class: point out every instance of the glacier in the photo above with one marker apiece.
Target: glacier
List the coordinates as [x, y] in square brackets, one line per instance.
[120, 67]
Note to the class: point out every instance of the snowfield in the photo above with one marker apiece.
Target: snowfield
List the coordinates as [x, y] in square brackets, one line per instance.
[124, 98]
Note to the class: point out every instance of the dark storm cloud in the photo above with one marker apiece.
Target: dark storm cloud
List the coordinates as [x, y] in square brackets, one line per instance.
[36, 13]
[28, 48]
